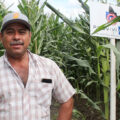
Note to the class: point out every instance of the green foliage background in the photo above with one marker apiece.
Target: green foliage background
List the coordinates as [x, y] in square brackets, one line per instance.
[84, 59]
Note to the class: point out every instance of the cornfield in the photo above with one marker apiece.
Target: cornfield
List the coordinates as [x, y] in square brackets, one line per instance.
[85, 60]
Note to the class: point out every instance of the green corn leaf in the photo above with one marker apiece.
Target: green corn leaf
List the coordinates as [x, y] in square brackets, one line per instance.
[104, 65]
[118, 85]
[113, 48]
[99, 50]
[90, 83]
[84, 6]
[94, 105]
[65, 19]
[77, 114]
[83, 63]
[39, 13]
[23, 6]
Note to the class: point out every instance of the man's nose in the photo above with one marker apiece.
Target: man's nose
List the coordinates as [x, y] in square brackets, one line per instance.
[16, 36]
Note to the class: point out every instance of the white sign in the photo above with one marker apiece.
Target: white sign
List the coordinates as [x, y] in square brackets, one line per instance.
[101, 14]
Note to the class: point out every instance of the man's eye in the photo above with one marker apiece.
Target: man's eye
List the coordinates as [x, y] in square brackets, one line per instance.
[9, 31]
[22, 32]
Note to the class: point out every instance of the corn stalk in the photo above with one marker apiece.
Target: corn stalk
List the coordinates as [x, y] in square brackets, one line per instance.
[100, 61]
[3, 12]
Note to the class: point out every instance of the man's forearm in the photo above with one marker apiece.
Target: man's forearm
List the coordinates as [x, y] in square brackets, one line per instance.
[65, 111]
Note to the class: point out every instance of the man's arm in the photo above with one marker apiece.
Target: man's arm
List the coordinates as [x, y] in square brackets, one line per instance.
[65, 111]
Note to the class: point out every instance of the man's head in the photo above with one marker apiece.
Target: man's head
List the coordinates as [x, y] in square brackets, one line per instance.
[15, 34]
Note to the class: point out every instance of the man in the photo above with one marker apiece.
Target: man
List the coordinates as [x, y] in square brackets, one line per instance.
[28, 81]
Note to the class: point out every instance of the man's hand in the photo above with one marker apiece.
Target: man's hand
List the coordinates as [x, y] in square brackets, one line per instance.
[65, 111]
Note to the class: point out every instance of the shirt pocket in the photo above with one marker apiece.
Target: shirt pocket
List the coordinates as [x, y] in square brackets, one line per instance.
[42, 91]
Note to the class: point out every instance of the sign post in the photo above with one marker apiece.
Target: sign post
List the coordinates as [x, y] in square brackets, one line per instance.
[113, 84]
[99, 15]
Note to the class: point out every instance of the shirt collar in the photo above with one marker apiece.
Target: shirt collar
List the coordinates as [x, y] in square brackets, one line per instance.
[6, 59]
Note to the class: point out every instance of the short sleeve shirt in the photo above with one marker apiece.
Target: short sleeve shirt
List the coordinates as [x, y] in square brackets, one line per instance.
[32, 102]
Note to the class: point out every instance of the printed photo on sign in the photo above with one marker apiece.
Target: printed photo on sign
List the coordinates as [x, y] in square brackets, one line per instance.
[101, 14]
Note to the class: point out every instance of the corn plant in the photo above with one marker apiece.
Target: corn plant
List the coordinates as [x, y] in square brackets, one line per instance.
[102, 63]
[3, 12]
[37, 21]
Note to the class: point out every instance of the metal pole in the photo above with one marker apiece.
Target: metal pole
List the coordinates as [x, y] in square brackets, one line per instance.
[113, 84]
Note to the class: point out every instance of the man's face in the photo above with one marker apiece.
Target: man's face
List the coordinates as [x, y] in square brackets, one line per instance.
[16, 39]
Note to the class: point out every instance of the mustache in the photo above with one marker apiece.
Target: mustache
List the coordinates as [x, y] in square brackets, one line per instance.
[16, 43]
